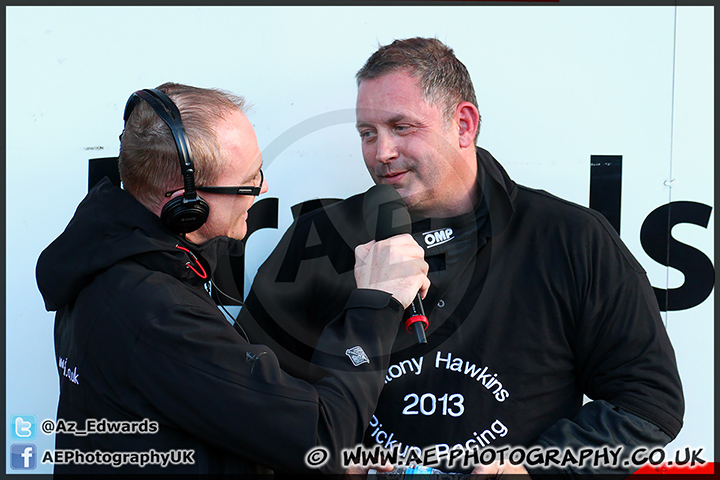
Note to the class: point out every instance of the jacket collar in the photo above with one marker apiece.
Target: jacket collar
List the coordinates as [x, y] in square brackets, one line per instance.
[498, 191]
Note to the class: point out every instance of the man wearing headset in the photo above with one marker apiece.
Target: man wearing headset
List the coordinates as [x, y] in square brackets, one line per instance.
[150, 369]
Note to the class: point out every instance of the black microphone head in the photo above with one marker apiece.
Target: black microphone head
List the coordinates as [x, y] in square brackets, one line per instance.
[385, 212]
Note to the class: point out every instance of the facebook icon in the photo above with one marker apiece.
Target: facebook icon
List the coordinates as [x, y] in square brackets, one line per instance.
[22, 456]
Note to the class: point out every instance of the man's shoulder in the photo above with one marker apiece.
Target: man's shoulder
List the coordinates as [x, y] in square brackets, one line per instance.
[570, 224]
[542, 203]
[324, 233]
[131, 288]
[328, 221]
[318, 208]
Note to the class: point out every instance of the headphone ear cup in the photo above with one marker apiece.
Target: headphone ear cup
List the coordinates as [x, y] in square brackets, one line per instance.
[181, 215]
[189, 212]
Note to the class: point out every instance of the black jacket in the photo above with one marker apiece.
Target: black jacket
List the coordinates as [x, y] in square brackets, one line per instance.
[138, 337]
[534, 302]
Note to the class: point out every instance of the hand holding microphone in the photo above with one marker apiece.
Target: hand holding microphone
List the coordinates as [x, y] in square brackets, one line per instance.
[394, 265]
[388, 220]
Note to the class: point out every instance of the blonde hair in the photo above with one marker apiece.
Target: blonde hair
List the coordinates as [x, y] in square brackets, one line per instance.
[148, 161]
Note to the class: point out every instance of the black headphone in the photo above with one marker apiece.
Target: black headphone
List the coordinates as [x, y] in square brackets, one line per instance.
[189, 212]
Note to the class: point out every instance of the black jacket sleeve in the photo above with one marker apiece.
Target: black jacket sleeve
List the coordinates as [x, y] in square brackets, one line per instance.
[303, 284]
[206, 379]
[598, 424]
[625, 362]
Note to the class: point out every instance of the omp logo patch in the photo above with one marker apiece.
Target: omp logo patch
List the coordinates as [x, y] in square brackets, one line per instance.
[438, 237]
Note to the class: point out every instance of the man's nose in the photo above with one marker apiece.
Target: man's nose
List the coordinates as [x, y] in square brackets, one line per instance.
[386, 148]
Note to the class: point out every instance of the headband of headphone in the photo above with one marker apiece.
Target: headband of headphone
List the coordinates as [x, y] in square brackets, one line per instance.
[181, 214]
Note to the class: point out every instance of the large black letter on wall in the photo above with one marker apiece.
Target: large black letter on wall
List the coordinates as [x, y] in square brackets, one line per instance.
[657, 241]
[606, 186]
[99, 168]
[655, 234]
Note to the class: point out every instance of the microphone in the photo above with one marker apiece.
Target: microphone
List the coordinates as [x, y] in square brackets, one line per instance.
[386, 215]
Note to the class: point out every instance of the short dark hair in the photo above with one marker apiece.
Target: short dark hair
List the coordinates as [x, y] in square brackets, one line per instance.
[444, 79]
[148, 160]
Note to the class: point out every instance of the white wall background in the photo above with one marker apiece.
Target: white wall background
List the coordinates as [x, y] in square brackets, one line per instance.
[555, 85]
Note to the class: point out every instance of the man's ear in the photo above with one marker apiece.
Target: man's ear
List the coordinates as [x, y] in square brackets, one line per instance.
[468, 119]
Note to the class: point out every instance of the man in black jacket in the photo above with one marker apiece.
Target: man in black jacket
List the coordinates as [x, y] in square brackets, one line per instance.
[534, 301]
[153, 378]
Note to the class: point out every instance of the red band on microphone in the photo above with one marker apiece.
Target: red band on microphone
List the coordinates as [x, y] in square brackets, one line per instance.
[416, 318]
